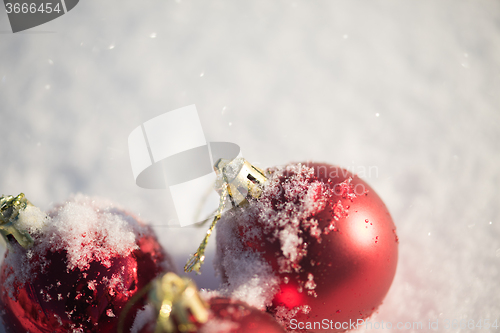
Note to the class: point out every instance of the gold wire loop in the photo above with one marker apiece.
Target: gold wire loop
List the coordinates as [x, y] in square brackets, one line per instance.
[197, 259]
[238, 180]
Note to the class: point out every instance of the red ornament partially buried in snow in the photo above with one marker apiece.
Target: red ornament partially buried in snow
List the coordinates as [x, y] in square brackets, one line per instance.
[74, 269]
[176, 306]
[317, 248]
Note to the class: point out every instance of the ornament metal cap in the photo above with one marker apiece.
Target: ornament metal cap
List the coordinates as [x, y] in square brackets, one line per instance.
[242, 178]
[176, 299]
[238, 180]
[10, 207]
[177, 302]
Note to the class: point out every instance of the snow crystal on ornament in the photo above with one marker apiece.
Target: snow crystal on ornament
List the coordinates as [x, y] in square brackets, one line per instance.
[89, 229]
[252, 279]
[283, 315]
[207, 294]
[314, 200]
[282, 215]
[290, 242]
[31, 219]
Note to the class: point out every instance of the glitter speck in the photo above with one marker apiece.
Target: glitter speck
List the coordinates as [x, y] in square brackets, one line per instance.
[153, 35]
[429, 234]
[202, 74]
[377, 114]
[230, 124]
[345, 36]
[111, 47]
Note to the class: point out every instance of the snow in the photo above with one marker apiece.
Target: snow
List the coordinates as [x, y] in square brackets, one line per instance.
[144, 316]
[407, 89]
[91, 230]
[30, 219]
[252, 280]
[88, 229]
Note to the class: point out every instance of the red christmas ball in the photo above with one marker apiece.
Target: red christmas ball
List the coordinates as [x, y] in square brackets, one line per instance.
[87, 259]
[232, 316]
[318, 248]
[225, 316]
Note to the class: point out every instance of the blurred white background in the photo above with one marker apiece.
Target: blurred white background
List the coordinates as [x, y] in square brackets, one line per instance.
[410, 87]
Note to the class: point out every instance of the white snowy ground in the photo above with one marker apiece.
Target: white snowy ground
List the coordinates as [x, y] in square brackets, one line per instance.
[411, 88]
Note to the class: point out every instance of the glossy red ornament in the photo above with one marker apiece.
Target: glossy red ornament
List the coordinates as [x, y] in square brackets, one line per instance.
[328, 240]
[72, 279]
[175, 305]
[230, 316]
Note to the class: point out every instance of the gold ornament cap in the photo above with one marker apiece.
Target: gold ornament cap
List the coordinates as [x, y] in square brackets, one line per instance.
[176, 301]
[238, 180]
[10, 207]
[242, 178]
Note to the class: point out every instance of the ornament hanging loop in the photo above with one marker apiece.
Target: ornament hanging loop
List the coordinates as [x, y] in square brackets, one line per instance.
[10, 207]
[237, 180]
[197, 259]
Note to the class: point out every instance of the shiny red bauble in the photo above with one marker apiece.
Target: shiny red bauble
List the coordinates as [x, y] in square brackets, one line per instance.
[325, 244]
[230, 316]
[87, 261]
